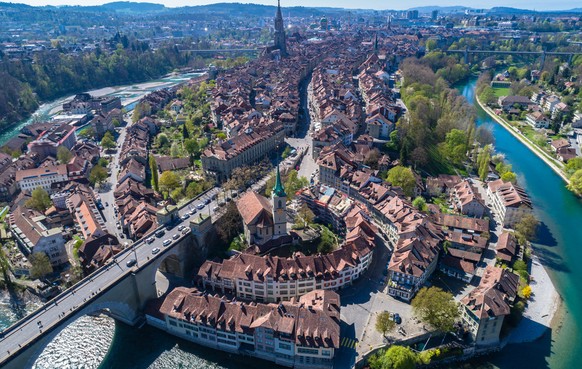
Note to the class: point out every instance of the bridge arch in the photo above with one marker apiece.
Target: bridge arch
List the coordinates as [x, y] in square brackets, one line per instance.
[167, 267]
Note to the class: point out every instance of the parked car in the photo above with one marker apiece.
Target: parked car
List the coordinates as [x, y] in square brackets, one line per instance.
[155, 250]
[207, 201]
[185, 216]
[176, 236]
[131, 263]
[185, 230]
[200, 206]
[166, 242]
[215, 209]
[149, 240]
[181, 227]
[193, 211]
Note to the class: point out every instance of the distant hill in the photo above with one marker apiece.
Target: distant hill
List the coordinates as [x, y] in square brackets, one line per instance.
[441, 9]
[128, 6]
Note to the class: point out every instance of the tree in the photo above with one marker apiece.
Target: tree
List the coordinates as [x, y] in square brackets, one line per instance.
[420, 203]
[573, 165]
[40, 200]
[185, 133]
[527, 226]
[5, 266]
[304, 217]
[327, 242]
[40, 265]
[169, 181]
[286, 152]
[64, 155]
[294, 183]
[384, 324]
[103, 162]
[509, 177]
[97, 175]
[455, 145]
[230, 223]
[163, 140]
[108, 142]
[193, 189]
[402, 177]
[396, 357]
[177, 194]
[575, 184]
[154, 170]
[526, 292]
[436, 308]
[191, 146]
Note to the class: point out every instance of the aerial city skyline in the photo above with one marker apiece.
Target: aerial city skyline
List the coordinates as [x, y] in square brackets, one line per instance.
[328, 189]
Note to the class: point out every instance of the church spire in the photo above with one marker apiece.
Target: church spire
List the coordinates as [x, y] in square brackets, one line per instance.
[279, 190]
[279, 15]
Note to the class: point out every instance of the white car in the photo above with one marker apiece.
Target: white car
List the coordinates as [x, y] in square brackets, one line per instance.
[181, 227]
[150, 240]
[155, 250]
[176, 236]
[166, 242]
[185, 216]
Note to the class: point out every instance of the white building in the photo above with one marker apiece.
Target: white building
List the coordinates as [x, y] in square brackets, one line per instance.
[509, 201]
[43, 177]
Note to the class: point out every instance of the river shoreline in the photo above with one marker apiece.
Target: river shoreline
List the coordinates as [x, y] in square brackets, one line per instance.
[523, 140]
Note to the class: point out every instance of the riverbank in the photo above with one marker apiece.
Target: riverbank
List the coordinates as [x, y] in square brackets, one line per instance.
[541, 309]
[530, 145]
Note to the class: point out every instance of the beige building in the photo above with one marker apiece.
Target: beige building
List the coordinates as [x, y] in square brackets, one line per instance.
[302, 334]
[248, 147]
[510, 201]
[43, 177]
[484, 309]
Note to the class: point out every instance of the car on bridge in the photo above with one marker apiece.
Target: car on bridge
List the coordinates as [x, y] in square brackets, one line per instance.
[160, 233]
[200, 206]
[155, 250]
[167, 242]
[150, 239]
[176, 236]
[131, 263]
[185, 216]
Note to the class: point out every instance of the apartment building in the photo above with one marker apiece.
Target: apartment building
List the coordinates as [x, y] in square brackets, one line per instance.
[44, 177]
[302, 334]
[484, 308]
[510, 201]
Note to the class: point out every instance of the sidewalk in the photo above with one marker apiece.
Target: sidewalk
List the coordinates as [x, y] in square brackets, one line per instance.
[540, 310]
[551, 162]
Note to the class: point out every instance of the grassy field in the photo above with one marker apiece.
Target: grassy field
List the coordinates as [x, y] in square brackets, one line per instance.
[501, 91]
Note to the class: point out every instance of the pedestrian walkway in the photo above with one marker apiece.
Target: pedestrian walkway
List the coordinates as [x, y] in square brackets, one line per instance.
[349, 342]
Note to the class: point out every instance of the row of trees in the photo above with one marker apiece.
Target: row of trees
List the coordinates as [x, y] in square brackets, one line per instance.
[52, 75]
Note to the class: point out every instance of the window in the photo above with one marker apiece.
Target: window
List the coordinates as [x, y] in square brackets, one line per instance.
[284, 346]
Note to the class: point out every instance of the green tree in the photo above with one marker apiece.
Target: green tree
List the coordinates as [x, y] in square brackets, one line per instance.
[509, 177]
[163, 140]
[40, 265]
[396, 357]
[527, 226]
[384, 324]
[40, 200]
[5, 266]
[103, 162]
[169, 181]
[185, 133]
[194, 189]
[575, 184]
[64, 155]
[286, 152]
[293, 183]
[154, 170]
[304, 217]
[436, 308]
[177, 194]
[327, 242]
[108, 141]
[420, 203]
[573, 165]
[402, 177]
[191, 146]
[97, 175]
[455, 146]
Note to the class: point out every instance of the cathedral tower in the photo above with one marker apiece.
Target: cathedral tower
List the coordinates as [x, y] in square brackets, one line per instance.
[280, 42]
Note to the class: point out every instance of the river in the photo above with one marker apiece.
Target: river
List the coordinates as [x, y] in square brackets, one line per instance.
[129, 95]
[558, 245]
[93, 340]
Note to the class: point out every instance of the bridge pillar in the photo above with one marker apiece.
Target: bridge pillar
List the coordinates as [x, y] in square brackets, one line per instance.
[202, 230]
[466, 55]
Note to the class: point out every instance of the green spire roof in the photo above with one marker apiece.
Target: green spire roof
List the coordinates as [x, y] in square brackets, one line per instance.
[279, 190]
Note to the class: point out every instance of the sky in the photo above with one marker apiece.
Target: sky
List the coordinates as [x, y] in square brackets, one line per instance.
[369, 4]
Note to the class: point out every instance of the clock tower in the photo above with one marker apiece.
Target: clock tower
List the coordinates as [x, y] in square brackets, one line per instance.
[279, 205]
